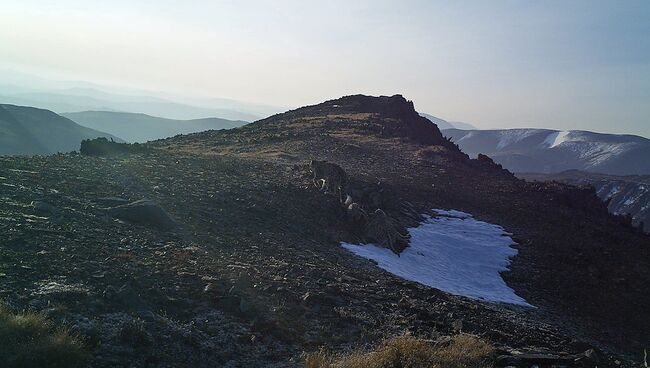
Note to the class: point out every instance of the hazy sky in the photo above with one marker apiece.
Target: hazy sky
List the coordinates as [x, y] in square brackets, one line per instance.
[556, 64]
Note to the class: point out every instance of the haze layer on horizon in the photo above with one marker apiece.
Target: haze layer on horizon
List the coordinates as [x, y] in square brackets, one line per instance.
[502, 64]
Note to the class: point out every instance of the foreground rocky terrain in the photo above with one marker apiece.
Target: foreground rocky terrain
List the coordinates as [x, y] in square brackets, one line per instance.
[243, 265]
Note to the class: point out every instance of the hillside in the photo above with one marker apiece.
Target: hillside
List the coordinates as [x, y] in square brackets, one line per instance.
[623, 194]
[32, 131]
[141, 128]
[250, 265]
[551, 151]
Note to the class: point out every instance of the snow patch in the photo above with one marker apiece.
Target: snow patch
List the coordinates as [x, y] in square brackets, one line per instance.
[452, 252]
[587, 147]
[556, 138]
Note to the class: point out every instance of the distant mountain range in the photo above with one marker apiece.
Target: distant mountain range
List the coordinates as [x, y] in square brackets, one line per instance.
[552, 151]
[141, 128]
[29, 131]
[444, 124]
[74, 96]
[624, 194]
[76, 100]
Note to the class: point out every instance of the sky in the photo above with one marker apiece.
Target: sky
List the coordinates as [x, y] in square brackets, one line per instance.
[495, 64]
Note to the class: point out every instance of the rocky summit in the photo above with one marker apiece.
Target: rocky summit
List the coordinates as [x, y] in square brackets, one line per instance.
[218, 249]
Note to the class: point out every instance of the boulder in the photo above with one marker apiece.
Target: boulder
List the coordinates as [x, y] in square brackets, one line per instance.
[144, 212]
[42, 208]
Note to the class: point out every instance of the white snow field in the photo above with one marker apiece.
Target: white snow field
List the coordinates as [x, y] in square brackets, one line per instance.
[452, 252]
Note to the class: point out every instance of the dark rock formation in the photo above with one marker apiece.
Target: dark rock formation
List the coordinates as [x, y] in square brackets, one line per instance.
[623, 195]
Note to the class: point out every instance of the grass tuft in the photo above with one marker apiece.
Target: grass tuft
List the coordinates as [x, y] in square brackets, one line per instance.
[29, 340]
[462, 351]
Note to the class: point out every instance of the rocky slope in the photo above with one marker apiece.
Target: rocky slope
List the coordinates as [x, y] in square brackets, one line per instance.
[552, 151]
[251, 273]
[31, 131]
[141, 128]
[624, 195]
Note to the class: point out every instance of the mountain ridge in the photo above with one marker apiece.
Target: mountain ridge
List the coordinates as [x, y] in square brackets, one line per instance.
[551, 151]
[71, 96]
[140, 127]
[407, 122]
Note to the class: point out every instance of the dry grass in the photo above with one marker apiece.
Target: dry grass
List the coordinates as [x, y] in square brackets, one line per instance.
[462, 351]
[30, 340]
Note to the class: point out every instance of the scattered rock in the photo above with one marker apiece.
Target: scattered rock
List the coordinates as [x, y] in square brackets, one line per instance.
[144, 212]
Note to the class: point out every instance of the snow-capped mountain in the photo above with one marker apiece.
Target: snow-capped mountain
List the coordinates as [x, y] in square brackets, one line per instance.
[552, 151]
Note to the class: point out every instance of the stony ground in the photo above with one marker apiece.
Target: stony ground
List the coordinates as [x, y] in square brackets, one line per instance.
[254, 274]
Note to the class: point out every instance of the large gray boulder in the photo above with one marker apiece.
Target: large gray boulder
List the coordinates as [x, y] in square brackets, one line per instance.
[144, 212]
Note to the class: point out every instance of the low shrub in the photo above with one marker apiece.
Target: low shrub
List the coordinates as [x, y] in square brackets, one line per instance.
[30, 340]
[103, 147]
[462, 351]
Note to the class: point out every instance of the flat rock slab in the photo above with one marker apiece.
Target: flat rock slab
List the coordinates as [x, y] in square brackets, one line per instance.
[144, 212]
[541, 360]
